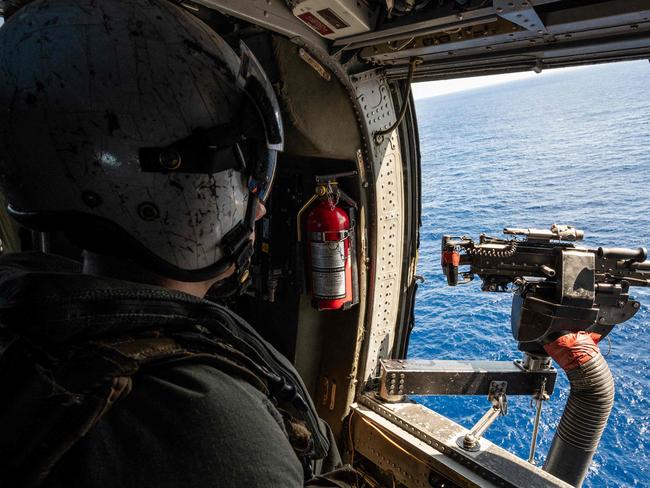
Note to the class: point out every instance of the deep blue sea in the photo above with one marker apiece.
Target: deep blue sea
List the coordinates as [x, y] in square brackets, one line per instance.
[572, 148]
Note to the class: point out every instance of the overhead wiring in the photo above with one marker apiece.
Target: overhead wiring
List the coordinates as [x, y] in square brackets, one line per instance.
[379, 135]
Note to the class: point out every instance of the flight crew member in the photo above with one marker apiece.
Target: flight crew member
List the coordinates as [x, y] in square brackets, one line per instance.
[134, 128]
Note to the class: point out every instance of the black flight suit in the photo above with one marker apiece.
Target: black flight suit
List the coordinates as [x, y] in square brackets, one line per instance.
[184, 424]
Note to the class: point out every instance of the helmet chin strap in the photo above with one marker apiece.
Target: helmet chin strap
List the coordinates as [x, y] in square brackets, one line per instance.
[238, 248]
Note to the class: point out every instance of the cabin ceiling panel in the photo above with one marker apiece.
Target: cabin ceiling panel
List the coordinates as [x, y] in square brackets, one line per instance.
[320, 119]
[272, 15]
[498, 36]
[430, 20]
[521, 13]
[635, 46]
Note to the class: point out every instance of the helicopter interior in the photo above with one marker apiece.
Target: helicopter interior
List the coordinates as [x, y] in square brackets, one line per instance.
[341, 85]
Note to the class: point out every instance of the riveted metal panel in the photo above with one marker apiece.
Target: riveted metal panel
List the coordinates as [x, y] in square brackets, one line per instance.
[430, 440]
[459, 377]
[386, 185]
[410, 461]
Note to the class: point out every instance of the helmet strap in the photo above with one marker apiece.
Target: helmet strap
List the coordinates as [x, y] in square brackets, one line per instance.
[238, 247]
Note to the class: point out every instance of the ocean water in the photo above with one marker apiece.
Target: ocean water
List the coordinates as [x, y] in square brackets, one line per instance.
[572, 148]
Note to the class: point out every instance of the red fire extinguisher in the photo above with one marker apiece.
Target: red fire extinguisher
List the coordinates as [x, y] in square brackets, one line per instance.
[331, 252]
[328, 244]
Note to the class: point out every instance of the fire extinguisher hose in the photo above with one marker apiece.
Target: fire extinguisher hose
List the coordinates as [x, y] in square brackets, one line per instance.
[587, 409]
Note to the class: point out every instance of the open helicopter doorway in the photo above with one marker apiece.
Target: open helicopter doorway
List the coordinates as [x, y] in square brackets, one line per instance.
[527, 151]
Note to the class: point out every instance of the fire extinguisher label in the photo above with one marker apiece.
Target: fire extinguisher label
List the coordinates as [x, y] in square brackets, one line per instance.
[329, 286]
[328, 269]
[328, 255]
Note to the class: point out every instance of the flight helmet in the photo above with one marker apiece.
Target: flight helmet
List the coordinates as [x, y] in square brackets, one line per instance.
[135, 128]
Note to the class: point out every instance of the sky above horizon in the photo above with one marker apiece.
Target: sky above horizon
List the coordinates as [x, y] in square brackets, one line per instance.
[429, 89]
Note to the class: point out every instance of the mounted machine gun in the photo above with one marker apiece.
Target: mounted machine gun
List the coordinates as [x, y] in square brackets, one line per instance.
[566, 299]
[559, 287]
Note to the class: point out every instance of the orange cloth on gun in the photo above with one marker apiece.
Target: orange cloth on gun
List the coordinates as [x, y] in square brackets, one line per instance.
[574, 349]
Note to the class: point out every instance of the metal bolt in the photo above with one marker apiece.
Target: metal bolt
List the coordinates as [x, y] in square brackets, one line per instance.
[469, 441]
[91, 199]
[148, 211]
[169, 159]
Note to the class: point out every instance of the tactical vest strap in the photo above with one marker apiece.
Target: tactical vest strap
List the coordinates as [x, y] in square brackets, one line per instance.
[56, 397]
[43, 418]
[150, 351]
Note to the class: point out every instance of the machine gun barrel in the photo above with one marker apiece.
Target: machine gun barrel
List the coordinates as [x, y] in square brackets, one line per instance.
[556, 232]
[639, 255]
[640, 266]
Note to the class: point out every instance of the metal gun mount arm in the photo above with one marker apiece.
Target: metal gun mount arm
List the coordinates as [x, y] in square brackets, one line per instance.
[559, 287]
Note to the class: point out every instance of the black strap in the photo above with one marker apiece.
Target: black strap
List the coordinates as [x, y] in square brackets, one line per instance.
[204, 151]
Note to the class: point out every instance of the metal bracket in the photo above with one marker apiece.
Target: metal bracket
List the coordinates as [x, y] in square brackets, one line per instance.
[539, 397]
[534, 363]
[496, 396]
[520, 12]
[402, 377]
